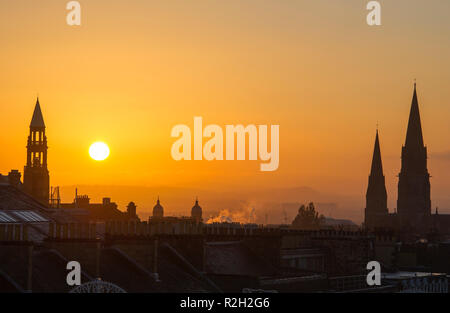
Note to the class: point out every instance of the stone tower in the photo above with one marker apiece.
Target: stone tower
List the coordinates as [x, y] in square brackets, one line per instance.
[376, 196]
[36, 177]
[131, 209]
[414, 203]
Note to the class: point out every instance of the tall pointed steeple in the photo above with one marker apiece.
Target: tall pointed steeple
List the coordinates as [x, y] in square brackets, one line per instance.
[414, 137]
[414, 180]
[377, 166]
[376, 196]
[37, 121]
[36, 175]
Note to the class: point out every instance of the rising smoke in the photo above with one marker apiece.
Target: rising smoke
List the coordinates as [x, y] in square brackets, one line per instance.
[245, 214]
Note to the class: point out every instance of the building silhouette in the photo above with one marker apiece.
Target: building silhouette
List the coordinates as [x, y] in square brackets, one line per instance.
[414, 201]
[36, 180]
[84, 209]
[196, 212]
[376, 196]
[158, 210]
[413, 215]
[131, 209]
[185, 255]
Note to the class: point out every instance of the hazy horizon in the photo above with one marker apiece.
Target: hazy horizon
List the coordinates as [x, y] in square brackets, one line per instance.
[135, 69]
[178, 201]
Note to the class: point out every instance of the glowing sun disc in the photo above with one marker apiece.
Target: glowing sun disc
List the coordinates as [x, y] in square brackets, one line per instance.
[99, 151]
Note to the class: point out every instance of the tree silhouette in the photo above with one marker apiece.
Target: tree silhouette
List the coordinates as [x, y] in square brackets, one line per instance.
[308, 218]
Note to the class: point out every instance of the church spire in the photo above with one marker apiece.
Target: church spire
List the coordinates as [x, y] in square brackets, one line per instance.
[37, 121]
[376, 195]
[414, 180]
[377, 166]
[414, 137]
[36, 176]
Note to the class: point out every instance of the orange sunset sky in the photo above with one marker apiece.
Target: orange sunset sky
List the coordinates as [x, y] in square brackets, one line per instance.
[134, 69]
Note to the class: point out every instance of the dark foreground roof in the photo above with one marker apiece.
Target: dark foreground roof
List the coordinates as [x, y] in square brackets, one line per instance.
[234, 258]
[12, 198]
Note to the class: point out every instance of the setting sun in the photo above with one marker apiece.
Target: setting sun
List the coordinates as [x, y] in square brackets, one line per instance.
[99, 151]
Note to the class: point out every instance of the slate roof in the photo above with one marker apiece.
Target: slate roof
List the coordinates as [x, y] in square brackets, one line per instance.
[49, 272]
[176, 278]
[12, 198]
[234, 258]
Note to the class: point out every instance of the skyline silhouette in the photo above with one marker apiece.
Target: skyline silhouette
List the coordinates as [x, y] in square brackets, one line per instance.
[36, 177]
[227, 149]
[325, 82]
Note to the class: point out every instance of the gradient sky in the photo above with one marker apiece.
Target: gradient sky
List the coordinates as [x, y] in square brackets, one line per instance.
[136, 68]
